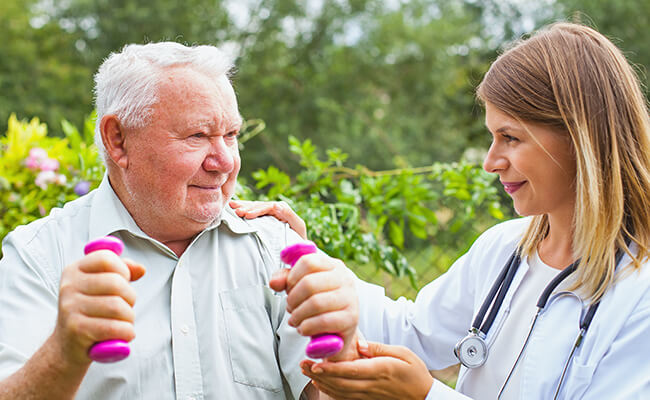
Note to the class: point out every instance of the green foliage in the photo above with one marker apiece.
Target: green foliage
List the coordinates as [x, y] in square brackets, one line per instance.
[39, 172]
[365, 216]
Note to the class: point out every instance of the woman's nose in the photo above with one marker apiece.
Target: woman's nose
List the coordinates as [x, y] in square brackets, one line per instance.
[494, 160]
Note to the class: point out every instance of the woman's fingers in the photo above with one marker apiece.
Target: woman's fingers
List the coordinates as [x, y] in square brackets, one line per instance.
[375, 349]
[279, 209]
[392, 372]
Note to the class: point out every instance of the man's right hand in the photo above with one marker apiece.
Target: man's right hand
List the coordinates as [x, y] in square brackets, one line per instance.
[95, 304]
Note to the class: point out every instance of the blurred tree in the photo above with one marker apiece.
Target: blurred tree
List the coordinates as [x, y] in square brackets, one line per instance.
[390, 86]
[398, 79]
[41, 71]
[390, 83]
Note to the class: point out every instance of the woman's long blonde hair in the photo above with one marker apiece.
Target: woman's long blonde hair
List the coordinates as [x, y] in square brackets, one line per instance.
[572, 78]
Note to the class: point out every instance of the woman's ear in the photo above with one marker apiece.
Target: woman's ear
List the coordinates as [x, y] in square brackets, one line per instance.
[113, 138]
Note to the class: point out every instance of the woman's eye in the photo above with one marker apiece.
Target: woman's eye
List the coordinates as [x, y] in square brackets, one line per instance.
[509, 138]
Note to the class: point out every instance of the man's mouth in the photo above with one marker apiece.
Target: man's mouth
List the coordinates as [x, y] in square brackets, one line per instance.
[206, 187]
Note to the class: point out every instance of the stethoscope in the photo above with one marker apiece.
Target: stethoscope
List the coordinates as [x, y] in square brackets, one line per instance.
[472, 351]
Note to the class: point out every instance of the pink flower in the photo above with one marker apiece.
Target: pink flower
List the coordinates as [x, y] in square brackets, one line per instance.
[37, 153]
[49, 164]
[38, 159]
[44, 178]
[32, 163]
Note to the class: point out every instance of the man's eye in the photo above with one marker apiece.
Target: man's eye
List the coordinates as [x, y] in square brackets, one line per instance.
[232, 134]
[198, 135]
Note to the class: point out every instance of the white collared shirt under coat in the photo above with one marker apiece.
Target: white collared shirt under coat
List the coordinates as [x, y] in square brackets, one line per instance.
[613, 361]
[207, 324]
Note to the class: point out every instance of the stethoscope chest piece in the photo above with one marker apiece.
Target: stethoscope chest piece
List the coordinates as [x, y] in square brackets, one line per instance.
[471, 350]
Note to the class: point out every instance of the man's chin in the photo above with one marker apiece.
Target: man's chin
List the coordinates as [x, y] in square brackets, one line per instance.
[205, 216]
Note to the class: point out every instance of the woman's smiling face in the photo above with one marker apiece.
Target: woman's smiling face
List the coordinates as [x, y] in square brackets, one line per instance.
[535, 164]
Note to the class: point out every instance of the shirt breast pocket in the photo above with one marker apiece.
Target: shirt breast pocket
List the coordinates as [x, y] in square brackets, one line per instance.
[251, 337]
[577, 379]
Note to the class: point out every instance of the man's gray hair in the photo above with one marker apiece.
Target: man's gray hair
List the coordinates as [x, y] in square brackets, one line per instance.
[126, 82]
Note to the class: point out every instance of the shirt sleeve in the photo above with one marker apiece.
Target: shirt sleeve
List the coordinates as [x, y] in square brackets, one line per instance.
[28, 302]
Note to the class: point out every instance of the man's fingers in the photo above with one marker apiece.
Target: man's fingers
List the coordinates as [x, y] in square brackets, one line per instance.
[309, 286]
[104, 261]
[109, 307]
[107, 284]
[332, 317]
[317, 304]
[309, 264]
[100, 329]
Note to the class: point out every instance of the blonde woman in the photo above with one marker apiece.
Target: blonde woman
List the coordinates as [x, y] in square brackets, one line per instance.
[554, 305]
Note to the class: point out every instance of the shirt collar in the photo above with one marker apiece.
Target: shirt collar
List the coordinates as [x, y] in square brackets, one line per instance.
[108, 215]
[235, 223]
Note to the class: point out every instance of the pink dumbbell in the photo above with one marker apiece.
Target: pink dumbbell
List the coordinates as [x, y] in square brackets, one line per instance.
[109, 350]
[325, 344]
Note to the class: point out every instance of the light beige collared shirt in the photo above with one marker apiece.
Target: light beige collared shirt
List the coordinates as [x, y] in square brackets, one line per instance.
[207, 324]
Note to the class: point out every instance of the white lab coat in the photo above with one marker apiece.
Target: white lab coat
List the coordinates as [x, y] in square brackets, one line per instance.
[613, 361]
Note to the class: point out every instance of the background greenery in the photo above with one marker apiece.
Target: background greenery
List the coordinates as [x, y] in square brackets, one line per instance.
[388, 83]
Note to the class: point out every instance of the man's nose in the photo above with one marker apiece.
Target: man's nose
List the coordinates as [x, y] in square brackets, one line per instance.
[220, 157]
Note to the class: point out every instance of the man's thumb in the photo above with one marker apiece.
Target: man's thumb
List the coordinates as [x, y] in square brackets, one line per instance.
[137, 270]
[278, 280]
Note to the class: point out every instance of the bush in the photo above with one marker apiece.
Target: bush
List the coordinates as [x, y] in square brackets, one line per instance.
[39, 172]
[374, 219]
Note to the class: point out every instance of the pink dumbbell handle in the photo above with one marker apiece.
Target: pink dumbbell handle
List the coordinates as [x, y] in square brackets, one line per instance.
[325, 344]
[109, 350]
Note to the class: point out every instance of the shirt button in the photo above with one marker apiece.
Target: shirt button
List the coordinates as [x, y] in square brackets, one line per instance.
[184, 330]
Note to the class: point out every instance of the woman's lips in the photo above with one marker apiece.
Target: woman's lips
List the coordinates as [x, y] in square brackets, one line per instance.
[511, 187]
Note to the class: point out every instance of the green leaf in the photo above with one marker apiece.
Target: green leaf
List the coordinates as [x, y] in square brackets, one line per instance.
[396, 233]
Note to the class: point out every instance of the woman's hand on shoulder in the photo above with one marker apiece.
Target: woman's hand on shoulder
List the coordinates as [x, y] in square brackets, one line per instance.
[279, 209]
[389, 372]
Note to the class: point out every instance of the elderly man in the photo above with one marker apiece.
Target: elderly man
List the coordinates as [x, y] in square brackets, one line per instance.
[205, 324]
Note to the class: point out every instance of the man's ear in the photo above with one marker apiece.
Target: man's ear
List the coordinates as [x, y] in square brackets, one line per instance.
[113, 139]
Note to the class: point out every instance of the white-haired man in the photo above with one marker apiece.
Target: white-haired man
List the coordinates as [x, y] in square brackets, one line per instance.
[207, 325]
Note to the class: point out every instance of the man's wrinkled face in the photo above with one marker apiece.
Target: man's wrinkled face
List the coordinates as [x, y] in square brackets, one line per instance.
[182, 167]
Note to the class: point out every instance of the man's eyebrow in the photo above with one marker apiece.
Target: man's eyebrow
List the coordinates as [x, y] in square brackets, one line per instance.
[238, 122]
